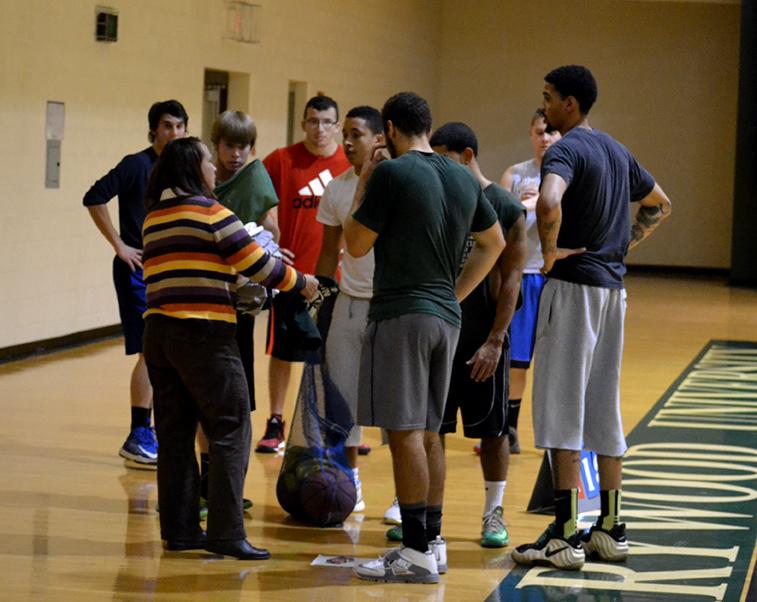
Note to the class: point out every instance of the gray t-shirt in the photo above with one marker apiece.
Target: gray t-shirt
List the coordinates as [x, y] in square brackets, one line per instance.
[603, 178]
[527, 175]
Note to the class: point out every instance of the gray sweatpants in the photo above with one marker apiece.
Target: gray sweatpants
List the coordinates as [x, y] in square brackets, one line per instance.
[343, 346]
[579, 349]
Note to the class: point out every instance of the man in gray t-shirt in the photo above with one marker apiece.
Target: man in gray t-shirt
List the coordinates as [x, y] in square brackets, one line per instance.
[588, 180]
[415, 211]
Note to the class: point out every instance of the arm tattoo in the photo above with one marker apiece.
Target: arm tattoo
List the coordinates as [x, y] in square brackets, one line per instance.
[647, 219]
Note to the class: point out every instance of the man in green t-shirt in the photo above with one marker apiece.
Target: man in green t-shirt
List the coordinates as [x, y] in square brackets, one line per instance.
[480, 370]
[415, 211]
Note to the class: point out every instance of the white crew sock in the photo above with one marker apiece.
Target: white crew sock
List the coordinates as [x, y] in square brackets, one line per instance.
[356, 474]
[495, 491]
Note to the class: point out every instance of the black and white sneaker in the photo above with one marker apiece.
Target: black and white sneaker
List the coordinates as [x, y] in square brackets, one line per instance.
[552, 549]
[610, 546]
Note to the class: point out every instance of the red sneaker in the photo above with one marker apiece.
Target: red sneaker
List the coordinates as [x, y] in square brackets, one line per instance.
[273, 439]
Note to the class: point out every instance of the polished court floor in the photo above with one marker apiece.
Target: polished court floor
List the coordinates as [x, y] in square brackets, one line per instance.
[78, 525]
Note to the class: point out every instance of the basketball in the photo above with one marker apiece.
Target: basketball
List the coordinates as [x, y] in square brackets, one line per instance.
[327, 496]
[287, 493]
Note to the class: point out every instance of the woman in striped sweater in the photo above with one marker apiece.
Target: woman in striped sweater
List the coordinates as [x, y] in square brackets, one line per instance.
[193, 249]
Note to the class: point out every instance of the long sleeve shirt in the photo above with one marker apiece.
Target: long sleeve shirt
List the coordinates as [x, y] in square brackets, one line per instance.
[193, 249]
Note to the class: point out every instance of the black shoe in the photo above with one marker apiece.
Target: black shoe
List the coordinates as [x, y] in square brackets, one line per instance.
[180, 545]
[273, 439]
[242, 549]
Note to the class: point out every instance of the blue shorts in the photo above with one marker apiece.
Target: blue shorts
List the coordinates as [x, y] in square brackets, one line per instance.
[523, 324]
[132, 303]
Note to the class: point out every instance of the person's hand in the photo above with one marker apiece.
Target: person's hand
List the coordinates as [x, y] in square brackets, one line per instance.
[287, 256]
[555, 255]
[528, 192]
[130, 256]
[484, 361]
[378, 155]
[311, 287]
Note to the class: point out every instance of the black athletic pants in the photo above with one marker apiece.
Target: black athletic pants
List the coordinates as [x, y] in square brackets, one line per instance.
[197, 375]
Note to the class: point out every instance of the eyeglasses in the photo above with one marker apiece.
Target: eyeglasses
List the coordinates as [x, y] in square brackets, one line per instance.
[324, 123]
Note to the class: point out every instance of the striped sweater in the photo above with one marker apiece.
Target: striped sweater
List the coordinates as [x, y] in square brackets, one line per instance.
[193, 249]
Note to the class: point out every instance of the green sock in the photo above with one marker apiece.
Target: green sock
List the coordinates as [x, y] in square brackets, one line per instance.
[610, 512]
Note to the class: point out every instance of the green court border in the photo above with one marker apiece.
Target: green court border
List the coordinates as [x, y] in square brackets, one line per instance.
[744, 564]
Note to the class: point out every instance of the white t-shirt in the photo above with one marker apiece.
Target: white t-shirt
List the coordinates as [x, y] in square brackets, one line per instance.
[333, 210]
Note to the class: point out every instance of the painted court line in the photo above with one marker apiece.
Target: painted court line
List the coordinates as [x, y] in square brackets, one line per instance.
[689, 495]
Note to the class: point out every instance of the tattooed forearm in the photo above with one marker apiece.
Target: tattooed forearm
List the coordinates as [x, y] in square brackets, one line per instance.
[647, 219]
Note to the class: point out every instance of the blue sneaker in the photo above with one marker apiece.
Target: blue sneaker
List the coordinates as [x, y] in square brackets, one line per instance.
[141, 449]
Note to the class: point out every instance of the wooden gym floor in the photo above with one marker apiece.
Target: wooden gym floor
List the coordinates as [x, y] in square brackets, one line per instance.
[78, 526]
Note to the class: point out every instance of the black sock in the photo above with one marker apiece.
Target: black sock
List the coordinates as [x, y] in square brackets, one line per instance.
[513, 409]
[414, 526]
[139, 417]
[566, 511]
[610, 504]
[433, 522]
[204, 465]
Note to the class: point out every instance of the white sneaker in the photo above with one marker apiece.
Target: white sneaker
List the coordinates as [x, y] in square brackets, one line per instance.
[439, 548]
[360, 502]
[400, 565]
[392, 515]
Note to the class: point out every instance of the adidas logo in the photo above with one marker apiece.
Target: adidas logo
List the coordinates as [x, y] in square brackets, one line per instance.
[317, 185]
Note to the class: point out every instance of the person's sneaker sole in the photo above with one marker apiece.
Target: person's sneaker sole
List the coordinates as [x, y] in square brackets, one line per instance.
[270, 449]
[429, 579]
[490, 542]
[606, 548]
[129, 463]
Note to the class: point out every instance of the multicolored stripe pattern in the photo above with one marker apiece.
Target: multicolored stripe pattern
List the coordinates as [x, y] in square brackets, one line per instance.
[193, 249]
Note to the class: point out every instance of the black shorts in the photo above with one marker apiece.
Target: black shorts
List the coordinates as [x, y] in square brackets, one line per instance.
[483, 406]
[132, 303]
[284, 342]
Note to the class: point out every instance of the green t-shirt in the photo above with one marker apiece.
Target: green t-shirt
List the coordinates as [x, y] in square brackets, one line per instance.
[507, 206]
[422, 205]
[249, 193]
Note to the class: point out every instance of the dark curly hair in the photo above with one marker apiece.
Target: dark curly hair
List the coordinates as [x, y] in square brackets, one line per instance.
[409, 113]
[576, 81]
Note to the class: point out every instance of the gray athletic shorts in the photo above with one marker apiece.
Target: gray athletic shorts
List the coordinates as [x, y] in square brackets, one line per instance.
[343, 345]
[579, 348]
[405, 367]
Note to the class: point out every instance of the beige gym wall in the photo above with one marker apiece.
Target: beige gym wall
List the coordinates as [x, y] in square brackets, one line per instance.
[56, 266]
[668, 77]
[667, 74]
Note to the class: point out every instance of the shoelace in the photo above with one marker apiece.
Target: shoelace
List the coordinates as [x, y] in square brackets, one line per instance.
[144, 435]
[493, 522]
